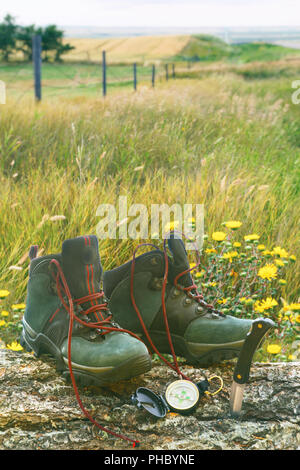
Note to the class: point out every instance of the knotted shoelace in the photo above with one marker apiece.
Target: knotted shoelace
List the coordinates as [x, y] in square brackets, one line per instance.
[100, 325]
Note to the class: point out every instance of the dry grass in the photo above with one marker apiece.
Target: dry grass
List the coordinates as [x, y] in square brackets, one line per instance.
[126, 50]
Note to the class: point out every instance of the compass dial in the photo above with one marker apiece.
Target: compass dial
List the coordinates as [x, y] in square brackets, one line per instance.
[182, 395]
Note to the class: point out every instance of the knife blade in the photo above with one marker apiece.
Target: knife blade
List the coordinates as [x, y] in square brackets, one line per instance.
[258, 330]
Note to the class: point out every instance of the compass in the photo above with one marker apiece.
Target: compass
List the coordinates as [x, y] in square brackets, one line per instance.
[182, 396]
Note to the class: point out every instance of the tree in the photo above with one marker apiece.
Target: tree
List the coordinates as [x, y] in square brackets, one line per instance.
[52, 40]
[24, 39]
[8, 30]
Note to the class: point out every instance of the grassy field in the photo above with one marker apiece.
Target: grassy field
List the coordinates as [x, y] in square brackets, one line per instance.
[157, 49]
[225, 135]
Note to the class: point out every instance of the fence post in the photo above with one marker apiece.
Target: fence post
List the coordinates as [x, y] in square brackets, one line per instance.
[37, 65]
[104, 73]
[153, 76]
[134, 76]
[173, 71]
[167, 71]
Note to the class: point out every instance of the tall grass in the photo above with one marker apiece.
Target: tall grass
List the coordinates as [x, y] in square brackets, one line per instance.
[215, 141]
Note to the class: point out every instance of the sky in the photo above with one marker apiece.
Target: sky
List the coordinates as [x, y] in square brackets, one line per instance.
[154, 13]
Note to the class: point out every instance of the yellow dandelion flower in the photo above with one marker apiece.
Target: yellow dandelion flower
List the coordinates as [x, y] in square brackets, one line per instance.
[200, 274]
[265, 304]
[219, 236]
[222, 301]
[230, 255]
[252, 237]
[4, 313]
[269, 271]
[212, 284]
[274, 348]
[237, 244]
[267, 253]
[278, 262]
[14, 346]
[280, 252]
[4, 293]
[210, 250]
[171, 226]
[297, 319]
[292, 306]
[261, 247]
[282, 282]
[18, 306]
[233, 224]
[3, 323]
[293, 258]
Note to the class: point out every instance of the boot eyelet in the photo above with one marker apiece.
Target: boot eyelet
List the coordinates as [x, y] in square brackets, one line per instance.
[187, 301]
[199, 309]
[176, 292]
[93, 335]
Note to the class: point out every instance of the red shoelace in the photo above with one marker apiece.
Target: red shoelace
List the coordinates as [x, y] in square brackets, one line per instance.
[191, 291]
[102, 324]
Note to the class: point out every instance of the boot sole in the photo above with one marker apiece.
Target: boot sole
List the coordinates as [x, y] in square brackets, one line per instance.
[202, 355]
[84, 375]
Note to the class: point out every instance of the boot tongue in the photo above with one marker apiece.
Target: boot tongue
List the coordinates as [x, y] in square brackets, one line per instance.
[180, 261]
[82, 268]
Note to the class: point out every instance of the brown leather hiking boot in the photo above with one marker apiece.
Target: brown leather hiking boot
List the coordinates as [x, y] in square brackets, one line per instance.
[199, 333]
[67, 317]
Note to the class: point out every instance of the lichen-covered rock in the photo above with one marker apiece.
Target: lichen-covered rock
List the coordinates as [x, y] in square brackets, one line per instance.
[38, 410]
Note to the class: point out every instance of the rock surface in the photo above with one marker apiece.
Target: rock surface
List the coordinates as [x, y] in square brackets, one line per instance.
[38, 410]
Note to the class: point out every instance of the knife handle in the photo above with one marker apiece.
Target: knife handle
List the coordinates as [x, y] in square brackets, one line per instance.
[258, 330]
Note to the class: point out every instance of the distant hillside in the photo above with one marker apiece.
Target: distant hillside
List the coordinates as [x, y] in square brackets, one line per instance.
[199, 47]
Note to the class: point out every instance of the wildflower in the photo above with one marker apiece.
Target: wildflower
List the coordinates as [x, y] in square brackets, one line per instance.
[219, 236]
[18, 306]
[261, 247]
[200, 274]
[222, 301]
[191, 220]
[4, 293]
[210, 250]
[230, 255]
[297, 319]
[233, 224]
[266, 304]
[269, 271]
[278, 262]
[212, 284]
[282, 282]
[292, 306]
[274, 348]
[293, 258]
[267, 253]
[252, 237]
[14, 346]
[237, 244]
[171, 226]
[4, 313]
[280, 252]
[2, 323]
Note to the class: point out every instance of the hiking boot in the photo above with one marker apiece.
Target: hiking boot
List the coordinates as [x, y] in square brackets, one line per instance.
[198, 332]
[98, 350]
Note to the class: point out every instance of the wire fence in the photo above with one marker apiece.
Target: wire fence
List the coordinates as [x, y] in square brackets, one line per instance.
[47, 79]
